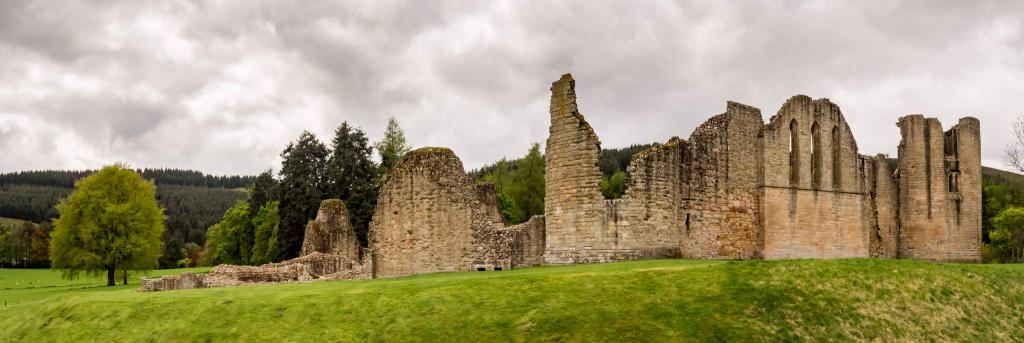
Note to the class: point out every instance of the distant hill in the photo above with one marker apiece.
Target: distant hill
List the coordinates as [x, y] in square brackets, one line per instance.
[994, 175]
[192, 200]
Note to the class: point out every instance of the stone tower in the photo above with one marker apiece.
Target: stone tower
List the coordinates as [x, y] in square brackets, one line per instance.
[573, 204]
[940, 189]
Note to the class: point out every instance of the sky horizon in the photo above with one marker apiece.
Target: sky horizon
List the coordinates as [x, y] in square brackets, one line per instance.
[223, 87]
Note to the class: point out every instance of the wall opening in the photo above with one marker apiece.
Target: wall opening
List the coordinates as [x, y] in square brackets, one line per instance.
[837, 175]
[794, 153]
[815, 155]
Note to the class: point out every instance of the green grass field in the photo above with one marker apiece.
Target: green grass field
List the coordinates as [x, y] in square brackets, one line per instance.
[10, 221]
[664, 300]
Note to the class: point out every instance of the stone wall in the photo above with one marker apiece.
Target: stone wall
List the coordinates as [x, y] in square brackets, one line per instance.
[940, 189]
[796, 187]
[331, 232]
[814, 197]
[883, 202]
[430, 217]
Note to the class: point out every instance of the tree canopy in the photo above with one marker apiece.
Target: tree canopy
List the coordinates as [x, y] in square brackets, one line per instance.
[351, 176]
[301, 188]
[110, 222]
[392, 147]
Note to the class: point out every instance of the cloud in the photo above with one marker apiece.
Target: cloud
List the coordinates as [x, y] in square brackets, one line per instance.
[223, 86]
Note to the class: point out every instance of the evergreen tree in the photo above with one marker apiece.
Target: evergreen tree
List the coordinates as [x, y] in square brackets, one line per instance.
[110, 222]
[392, 147]
[301, 189]
[352, 176]
[262, 191]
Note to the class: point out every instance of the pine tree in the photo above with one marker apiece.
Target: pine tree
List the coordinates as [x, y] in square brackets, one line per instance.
[301, 189]
[262, 191]
[392, 147]
[352, 175]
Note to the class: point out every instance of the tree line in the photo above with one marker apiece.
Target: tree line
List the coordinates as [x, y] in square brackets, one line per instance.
[189, 209]
[270, 225]
[179, 177]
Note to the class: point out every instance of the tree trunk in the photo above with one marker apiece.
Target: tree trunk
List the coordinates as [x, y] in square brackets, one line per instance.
[110, 277]
[126, 278]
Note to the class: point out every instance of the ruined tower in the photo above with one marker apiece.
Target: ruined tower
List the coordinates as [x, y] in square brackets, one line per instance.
[940, 189]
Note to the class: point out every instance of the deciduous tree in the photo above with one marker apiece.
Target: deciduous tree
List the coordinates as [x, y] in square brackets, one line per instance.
[110, 222]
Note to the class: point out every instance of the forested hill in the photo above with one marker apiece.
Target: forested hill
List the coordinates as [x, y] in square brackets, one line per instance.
[177, 177]
[192, 201]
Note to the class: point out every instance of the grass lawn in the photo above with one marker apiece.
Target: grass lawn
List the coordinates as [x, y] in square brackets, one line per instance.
[10, 221]
[663, 300]
[29, 286]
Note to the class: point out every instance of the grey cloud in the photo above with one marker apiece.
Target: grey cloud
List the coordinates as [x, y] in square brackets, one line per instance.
[223, 86]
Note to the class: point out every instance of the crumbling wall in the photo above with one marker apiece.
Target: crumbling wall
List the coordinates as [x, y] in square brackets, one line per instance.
[428, 217]
[520, 245]
[695, 198]
[883, 200]
[574, 209]
[311, 267]
[940, 189]
[331, 232]
[330, 251]
[814, 200]
[488, 197]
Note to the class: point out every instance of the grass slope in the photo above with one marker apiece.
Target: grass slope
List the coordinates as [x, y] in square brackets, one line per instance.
[665, 300]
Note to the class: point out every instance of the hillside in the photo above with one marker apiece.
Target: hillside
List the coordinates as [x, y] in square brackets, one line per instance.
[664, 300]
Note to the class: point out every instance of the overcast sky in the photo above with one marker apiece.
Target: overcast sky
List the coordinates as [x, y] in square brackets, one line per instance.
[223, 86]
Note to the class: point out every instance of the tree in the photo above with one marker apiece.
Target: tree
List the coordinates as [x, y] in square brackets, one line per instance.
[231, 240]
[301, 189]
[520, 185]
[1015, 149]
[262, 191]
[352, 176]
[267, 223]
[392, 147]
[110, 222]
[1007, 235]
[615, 186]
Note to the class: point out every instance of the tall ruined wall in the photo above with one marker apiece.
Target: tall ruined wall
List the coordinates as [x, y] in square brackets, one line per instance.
[574, 208]
[814, 200]
[425, 216]
[940, 189]
[430, 217]
[695, 198]
[883, 201]
[700, 193]
[331, 232]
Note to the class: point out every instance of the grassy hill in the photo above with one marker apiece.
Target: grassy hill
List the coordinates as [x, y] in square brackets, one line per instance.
[665, 300]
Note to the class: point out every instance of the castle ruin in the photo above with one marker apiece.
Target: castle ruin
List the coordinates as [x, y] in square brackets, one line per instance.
[796, 187]
[737, 188]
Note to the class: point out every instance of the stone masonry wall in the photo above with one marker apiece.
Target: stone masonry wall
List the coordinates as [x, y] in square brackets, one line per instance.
[574, 209]
[430, 217]
[883, 200]
[331, 232]
[940, 189]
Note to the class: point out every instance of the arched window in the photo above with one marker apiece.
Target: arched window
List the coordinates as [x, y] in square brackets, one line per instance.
[794, 153]
[815, 155]
[836, 165]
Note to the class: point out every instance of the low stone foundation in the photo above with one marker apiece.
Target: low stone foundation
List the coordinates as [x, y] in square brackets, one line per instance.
[312, 267]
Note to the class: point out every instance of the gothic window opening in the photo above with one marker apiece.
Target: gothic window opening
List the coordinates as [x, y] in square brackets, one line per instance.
[794, 153]
[815, 155]
[837, 177]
